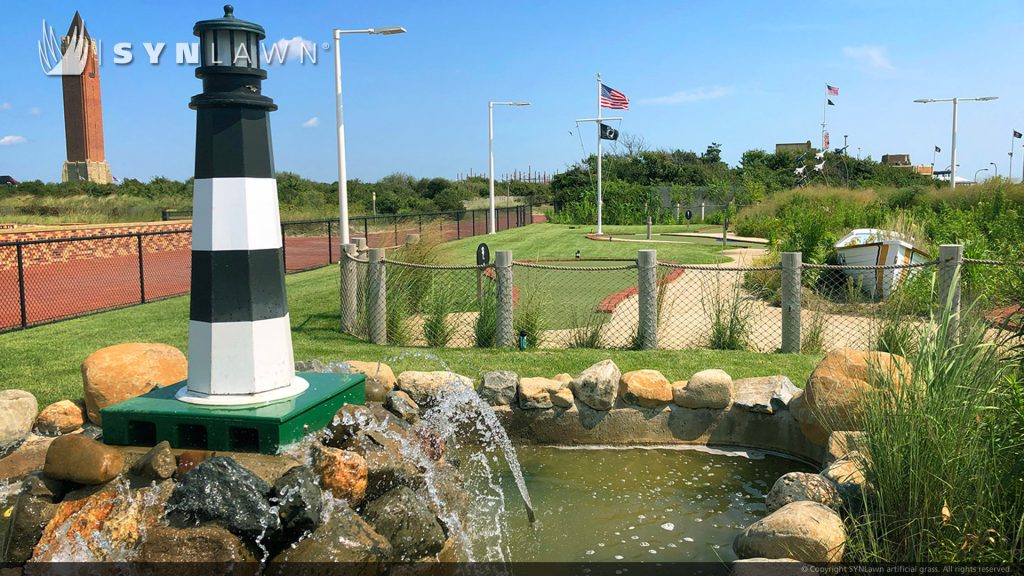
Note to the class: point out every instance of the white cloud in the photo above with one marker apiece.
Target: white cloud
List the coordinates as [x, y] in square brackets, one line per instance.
[35, 111]
[12, 140]
[5, 105]
[686, 96]
[297, 48]
[312, 122]
[871, 57]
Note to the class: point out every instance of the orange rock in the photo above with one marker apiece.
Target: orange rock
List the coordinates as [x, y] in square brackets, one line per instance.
[190, 459]
[342, 472]
[116, 373]
[61, 418]
[105, 526]
[646, 388]
[837, 388]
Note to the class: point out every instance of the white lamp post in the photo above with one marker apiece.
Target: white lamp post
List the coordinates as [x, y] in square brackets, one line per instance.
[955, 101]
[994, 167]
[979, 171]
[490, 170]
[342, 179]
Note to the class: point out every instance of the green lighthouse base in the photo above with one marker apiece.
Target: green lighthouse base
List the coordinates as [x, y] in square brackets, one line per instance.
[157, 416]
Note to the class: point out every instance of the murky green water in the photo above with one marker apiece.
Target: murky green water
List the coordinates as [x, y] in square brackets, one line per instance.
[637, 504]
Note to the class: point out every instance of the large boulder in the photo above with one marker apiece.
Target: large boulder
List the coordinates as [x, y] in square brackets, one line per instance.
[498, 387]
[563, 398]
[101, 527]
[342, 537]
[804, 531]
[536, 393]
[598, 386]
[403, 517]
[424, 386]
[705, 389]
[342, 472]
[800, 486]
[221, 490]
[348, 421]
[764, 395]
[838, 387]
[380, 378]
[645, 388]
[207, 544]
[116, 373]
[18, 410]
[61, 417]
[82, 460]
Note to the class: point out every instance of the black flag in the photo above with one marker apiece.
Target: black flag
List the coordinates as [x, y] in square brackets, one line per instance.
[608, 133]
[938, 150]
[1017, 134]
[830, 103]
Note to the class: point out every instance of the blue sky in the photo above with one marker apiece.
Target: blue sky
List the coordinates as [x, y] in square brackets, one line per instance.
[746, 74]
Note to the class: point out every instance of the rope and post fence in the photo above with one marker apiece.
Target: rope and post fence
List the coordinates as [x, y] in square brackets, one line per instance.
[644, 304]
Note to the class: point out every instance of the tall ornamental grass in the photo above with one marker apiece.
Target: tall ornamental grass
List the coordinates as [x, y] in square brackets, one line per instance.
[947, 454]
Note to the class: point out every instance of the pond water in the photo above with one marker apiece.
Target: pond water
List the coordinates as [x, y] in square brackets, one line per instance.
[636, 504]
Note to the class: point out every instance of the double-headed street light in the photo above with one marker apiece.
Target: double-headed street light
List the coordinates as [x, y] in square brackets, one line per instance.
[490, 170]
[955, 101]
[342, 179]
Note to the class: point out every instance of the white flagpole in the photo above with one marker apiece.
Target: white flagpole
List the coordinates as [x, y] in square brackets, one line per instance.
[1010, 172]
[599, 230]
[824, 111]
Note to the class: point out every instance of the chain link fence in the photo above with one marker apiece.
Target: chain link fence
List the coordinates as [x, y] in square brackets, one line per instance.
[51, 279]
[644, 303]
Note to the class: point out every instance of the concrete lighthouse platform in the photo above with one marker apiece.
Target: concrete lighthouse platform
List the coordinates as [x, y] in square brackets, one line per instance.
[157, 416]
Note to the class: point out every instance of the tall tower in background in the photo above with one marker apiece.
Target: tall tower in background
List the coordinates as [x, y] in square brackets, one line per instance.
[83, 116]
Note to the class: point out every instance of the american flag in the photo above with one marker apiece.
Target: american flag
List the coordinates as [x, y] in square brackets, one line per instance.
[832, 90]
[612, 98]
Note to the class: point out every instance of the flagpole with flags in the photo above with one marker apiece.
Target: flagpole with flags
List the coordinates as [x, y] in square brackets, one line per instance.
[599, 203]
[1014, 135]
[824, 114]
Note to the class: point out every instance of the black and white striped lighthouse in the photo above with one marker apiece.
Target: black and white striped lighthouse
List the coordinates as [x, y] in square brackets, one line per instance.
[240, 346]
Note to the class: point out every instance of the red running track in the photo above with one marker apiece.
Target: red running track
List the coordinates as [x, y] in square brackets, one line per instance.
[62, 290]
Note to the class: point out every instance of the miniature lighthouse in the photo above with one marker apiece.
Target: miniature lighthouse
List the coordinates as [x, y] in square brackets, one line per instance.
[240, 345]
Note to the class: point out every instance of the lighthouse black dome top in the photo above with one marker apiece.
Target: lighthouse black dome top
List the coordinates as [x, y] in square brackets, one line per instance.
[229, 63]
[228, 41]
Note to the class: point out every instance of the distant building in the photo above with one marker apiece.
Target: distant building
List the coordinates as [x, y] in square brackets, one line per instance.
[8, 181]
[896, 159]
[794, 147]
[83, 116]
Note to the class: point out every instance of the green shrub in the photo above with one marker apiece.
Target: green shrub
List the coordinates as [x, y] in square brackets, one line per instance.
[529, 317]
[730, 316]
[586, 329]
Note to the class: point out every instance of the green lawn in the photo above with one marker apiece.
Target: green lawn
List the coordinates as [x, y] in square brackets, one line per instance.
[46, 360]
[548, 241]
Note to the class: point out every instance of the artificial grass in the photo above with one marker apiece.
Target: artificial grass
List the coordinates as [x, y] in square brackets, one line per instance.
[561, 241]
[46, 360]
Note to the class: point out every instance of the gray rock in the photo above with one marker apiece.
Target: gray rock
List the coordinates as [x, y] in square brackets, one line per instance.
[39, 485]
[221, 490]
[402, 405]
[343, 537]
[299, 502]
[196, 544]
[801, 486]
[402, 517]
[766, 395]
[346, 424]
[705, 389]
[598, 386]
[498, 387]
[18, 410]
[309, 366]
[94, 431]
[25, 524]
[804, 531]
[157, 464]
